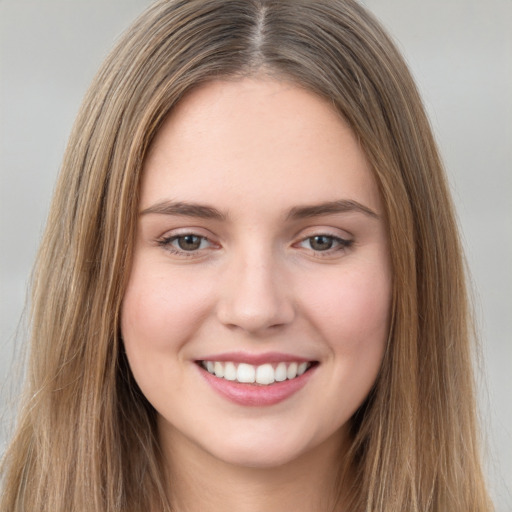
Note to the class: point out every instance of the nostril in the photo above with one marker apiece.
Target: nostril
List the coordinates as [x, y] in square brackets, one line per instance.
[253, 313]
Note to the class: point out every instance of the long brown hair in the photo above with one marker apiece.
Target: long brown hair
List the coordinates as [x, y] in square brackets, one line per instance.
[86, 437]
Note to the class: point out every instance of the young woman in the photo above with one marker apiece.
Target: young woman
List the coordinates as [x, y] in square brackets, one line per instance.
[250, 294]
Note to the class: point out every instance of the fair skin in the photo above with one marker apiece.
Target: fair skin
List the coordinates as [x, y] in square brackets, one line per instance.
[262, 254]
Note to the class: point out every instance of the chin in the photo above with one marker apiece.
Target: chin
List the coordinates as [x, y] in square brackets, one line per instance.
[263, 450]
[258, 457]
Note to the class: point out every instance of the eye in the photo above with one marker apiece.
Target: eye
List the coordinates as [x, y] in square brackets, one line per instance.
[324, 243]
[186, 243]
[189, 242]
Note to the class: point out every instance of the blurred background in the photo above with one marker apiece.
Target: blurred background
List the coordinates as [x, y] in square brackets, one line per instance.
[460, 52]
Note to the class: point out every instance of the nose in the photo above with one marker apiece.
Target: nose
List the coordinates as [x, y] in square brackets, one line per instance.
[255, 295]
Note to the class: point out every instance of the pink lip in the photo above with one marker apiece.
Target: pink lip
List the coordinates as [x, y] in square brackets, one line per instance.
[253, 394]
[255, 359]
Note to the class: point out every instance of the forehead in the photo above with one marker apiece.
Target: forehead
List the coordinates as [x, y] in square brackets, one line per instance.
[252, 140]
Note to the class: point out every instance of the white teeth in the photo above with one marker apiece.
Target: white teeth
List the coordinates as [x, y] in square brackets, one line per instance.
[302, 368]
[218, 369]
[281, 372]
[264, 374]
[291, 373]
[246, 373]
[230, 371]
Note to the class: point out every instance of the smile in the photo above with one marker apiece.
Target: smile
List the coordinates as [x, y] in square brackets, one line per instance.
[263, 374]
[266, 382]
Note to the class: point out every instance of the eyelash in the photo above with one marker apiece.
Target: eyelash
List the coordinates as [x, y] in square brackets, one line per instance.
[339, 243]
[167, 243]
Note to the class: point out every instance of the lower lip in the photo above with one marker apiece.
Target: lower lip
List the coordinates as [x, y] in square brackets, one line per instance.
[256, 395]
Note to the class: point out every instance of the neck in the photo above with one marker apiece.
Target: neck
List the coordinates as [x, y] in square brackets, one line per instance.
[200, 482]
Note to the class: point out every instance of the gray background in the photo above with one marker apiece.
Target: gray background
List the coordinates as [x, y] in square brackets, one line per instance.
[460, 52]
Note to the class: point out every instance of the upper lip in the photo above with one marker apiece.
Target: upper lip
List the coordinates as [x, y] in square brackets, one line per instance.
[255, 359]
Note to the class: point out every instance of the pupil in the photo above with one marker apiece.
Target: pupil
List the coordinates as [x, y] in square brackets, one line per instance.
[321, 243]
[189, 242]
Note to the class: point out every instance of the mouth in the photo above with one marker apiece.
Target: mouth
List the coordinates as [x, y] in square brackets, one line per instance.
[256, 379]
[265, 374]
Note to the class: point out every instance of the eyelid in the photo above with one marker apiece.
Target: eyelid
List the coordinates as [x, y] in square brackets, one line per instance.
[184, 231]
[324, 230]
[306, 231]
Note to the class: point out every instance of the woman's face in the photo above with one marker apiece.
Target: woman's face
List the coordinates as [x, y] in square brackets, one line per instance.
[256, 314]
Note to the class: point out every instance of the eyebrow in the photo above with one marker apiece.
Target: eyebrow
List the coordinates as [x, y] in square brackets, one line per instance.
[329, 208]
[185, 209]
[298, 212]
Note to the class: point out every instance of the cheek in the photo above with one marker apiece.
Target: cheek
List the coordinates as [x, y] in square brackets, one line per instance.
[159, 315]
[351, 312]
[352, 317]
[356, 300]
[160, 308]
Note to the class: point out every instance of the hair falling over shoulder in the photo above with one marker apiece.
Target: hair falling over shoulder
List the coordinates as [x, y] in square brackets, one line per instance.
[86, 437]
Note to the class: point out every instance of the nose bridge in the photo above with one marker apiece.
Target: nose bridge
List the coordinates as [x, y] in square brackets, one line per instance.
[255, 291]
